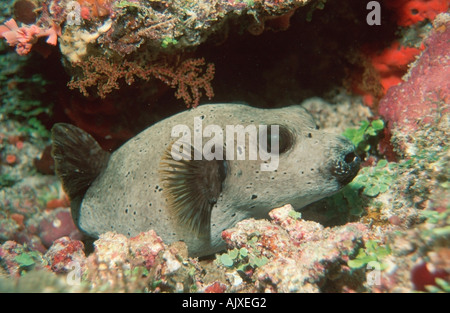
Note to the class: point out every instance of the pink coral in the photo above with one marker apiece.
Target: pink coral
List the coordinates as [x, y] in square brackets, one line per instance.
[146, 247]
[426, 90]
[63, 253]
[23, 38]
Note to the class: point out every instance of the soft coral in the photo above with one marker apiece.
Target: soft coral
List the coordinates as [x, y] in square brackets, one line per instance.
[409, 12]
[24, 37]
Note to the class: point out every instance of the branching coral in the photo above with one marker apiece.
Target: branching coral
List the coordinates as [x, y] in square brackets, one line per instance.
[188, 77]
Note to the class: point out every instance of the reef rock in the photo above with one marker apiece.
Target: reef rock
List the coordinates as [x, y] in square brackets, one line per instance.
[293, 255]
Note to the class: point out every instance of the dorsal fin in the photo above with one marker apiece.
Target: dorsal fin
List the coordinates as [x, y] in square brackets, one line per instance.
[79, 159]
[192, 187]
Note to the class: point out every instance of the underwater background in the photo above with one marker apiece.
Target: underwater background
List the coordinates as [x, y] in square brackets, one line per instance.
[377, 72]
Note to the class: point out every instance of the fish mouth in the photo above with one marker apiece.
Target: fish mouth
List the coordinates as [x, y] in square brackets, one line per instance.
[346, 168]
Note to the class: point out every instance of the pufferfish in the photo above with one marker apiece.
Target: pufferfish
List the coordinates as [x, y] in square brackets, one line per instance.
[184, 197]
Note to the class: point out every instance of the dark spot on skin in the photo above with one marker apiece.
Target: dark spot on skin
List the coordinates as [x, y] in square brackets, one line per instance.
[254, 197]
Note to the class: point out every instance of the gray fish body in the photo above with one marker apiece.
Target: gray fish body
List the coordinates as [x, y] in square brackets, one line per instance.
[129, 195]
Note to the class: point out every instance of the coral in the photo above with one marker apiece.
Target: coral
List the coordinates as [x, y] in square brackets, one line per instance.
[95, 8]
[64, 254]
[74, 41]
[140, 262]
[392, 63]
[384, 66]
[17, 259]
[24, 37]
[215, 287]
[424, 94]
[315, 261]
[409, 12]
[145, 247]
[382, 69]
[185, 77]
[146, 31]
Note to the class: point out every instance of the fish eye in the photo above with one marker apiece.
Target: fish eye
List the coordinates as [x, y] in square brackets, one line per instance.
[284, 136]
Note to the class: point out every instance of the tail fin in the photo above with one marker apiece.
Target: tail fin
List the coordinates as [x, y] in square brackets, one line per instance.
[78, 159]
